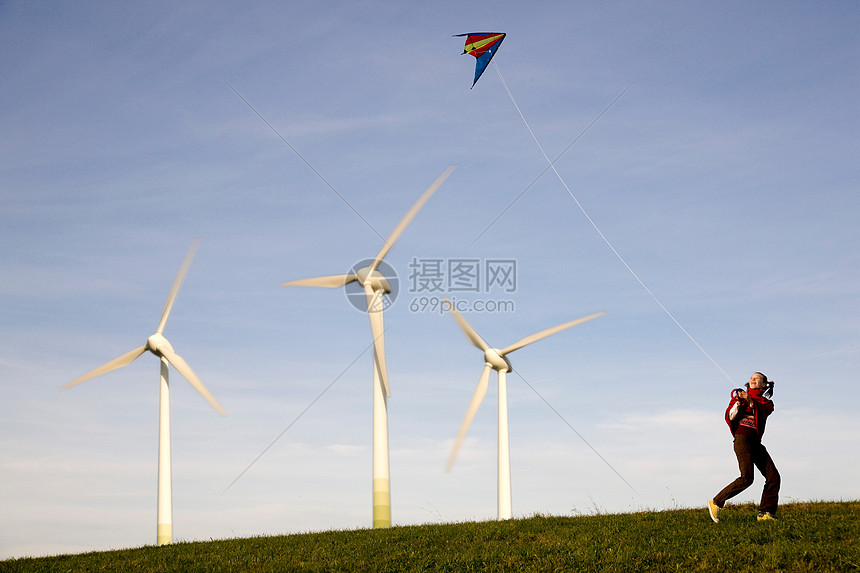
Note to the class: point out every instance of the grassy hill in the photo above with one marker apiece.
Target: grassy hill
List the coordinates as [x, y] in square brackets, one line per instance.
[823, 536]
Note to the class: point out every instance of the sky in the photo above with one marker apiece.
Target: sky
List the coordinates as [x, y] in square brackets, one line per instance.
[706, 200]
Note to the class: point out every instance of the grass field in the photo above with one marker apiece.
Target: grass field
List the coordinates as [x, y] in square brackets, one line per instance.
[820, 536]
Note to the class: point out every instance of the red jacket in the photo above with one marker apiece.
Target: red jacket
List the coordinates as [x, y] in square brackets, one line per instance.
[755, 414]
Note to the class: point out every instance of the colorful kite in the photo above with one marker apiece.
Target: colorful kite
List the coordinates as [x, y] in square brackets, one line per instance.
[483, 46]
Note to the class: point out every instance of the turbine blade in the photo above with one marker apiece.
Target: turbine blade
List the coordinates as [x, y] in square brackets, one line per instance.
[176, 284]
[123, 360]
[470, 332]
[331, 281]
[374, 311]
[392, 238]
[183, 368]
[548, 332]
[477, 398]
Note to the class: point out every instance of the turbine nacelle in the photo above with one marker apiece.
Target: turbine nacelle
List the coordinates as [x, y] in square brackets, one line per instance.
[497, 360]
[377, 281]
[157, 344]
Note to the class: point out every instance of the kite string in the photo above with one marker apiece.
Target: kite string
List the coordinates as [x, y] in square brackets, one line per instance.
[545, 169]
[599, 232]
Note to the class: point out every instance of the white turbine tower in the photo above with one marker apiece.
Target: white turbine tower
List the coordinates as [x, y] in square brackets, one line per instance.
[497, 360]
[158, 345]
[375, 285]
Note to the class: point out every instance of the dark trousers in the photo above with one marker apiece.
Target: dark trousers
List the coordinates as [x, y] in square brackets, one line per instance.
[751, 452]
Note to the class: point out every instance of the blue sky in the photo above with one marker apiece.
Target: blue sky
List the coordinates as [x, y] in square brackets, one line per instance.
[725, 176]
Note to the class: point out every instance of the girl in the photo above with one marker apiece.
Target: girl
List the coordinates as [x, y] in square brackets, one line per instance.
[746, 416]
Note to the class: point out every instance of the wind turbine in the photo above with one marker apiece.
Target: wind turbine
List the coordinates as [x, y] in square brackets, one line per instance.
[497, 360]
[158, 345]
[375, 285]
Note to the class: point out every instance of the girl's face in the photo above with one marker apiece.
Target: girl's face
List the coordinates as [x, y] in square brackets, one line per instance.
[756, 381]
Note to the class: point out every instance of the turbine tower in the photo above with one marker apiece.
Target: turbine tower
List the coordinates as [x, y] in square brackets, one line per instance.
[496, 359]
[375, 285]
[158, 345]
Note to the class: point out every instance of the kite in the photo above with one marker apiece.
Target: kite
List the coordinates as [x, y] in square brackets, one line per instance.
[483, 46]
